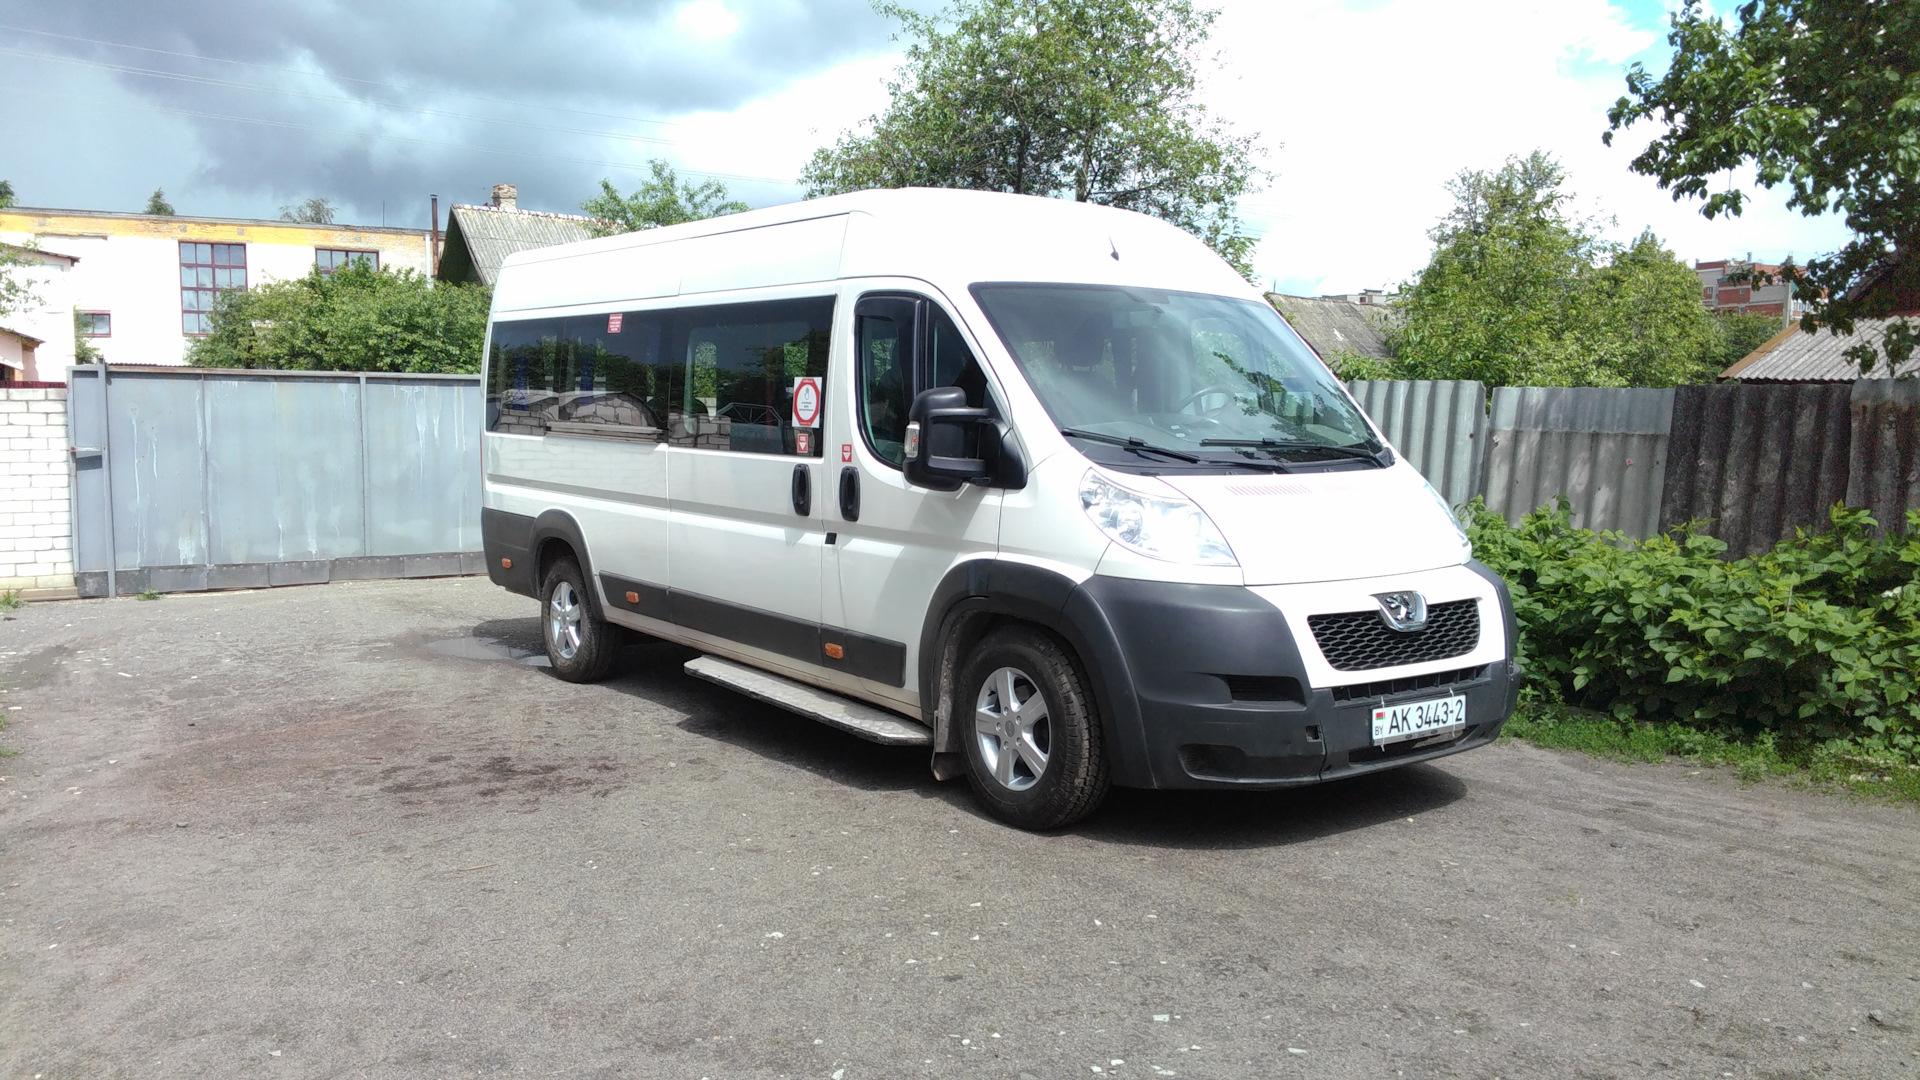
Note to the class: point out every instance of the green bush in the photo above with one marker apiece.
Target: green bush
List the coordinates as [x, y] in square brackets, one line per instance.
[1814, 645]
[356, 319]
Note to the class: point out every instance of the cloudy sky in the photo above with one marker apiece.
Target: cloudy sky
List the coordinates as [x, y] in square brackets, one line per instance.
[1362, 109]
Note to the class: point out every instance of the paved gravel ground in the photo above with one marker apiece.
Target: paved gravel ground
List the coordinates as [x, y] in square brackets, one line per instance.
[340, 831]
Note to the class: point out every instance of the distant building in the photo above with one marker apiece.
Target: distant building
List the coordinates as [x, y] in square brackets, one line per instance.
[36, 342]
[16, 357]
[145, 283]
[1338, 325]
[479, 238]
[1719, 290]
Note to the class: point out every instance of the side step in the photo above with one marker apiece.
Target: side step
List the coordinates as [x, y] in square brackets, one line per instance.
[852, 717]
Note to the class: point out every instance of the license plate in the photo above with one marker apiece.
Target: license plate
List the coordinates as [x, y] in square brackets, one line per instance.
[1419, 719]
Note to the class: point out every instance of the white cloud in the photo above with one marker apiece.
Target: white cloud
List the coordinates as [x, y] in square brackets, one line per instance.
[1366, 109]
[708, 20]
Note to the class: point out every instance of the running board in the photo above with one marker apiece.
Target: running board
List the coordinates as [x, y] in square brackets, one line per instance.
[852, 717]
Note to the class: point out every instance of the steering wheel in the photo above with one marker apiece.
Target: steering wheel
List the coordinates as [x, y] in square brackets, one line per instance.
[1226, 391]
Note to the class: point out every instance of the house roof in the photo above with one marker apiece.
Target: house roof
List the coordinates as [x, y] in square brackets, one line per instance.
[39, 254]
[1795, 356]
[479, 238]
[1334, 326]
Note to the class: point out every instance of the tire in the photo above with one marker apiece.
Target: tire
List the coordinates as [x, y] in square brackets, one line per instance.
[580, 647]
[1034, 768]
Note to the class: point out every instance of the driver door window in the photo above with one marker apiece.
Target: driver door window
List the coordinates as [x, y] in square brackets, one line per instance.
[907, 344]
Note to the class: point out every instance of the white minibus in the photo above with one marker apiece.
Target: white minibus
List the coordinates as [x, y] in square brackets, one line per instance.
[1044, 487]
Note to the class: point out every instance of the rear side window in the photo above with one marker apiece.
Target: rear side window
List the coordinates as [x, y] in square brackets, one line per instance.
[721, 377]
[587, 375]
[756, 376]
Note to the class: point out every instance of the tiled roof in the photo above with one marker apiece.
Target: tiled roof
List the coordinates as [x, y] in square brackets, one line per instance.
[479, 238]
[1795, 356]
[1334, 326]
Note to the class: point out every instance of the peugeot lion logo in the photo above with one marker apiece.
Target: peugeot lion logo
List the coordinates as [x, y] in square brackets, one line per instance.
[1403, 611]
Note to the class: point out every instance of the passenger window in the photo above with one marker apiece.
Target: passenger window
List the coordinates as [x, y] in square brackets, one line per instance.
[596, 376]
[744, 364]
[888, 376]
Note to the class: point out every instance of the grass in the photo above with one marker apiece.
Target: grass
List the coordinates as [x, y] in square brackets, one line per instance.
[148, 594]
[1753, 759]
[10, 600]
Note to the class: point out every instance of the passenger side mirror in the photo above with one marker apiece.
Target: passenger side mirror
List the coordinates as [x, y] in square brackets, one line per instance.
[943, 440]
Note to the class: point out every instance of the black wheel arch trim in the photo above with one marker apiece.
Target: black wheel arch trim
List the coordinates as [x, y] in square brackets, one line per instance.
[966, 602]
[560, 525]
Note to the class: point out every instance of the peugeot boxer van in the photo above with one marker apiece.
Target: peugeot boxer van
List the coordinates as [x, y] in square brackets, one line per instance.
[1041, 486]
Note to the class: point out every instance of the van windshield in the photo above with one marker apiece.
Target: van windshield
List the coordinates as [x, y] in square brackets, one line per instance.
[1212, 378]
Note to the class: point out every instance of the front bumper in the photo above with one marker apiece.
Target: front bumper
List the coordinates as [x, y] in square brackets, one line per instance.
[1220, 695]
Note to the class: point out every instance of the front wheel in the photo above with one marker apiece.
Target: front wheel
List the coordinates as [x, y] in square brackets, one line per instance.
[1034, 754]
[580, 647]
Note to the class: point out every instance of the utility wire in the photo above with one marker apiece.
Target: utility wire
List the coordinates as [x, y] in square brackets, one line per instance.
[395, 87]
[205, 80]
[288, 124]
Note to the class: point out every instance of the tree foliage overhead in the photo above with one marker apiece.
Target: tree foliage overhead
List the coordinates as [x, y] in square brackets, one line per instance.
[1092, 100]
[1821, 96]
[661, 199]
[157, 203]
[318, 210]
[1521, 291]
[355, 319]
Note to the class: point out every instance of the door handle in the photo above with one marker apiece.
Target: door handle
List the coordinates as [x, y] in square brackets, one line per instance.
[850, 493]
[803, 491]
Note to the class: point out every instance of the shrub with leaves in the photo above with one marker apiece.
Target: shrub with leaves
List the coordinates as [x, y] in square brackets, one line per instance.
[1814, 644]
[356, 319]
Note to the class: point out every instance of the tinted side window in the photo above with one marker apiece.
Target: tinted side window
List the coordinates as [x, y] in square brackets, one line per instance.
[589, 375]
[742, 365]
[888, 376]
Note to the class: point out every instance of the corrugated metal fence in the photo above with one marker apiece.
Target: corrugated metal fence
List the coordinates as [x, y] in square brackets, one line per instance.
[188, 478]
[1752, 461]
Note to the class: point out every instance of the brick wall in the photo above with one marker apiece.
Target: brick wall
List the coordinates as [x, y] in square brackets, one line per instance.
[36, 516]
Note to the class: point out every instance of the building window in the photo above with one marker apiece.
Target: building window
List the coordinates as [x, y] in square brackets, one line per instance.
[95, 324]
[330, 259]
[206, 271]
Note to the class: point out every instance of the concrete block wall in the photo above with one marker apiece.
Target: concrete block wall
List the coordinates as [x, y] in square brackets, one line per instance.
[36, 507]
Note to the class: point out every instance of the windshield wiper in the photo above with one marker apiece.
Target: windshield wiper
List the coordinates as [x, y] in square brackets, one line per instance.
[1128, 442]
[1378, 457]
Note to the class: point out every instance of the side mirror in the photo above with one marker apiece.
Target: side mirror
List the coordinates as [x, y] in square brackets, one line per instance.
[943, 440]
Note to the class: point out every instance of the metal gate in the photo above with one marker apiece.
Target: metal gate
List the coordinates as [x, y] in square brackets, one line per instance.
[193, 478]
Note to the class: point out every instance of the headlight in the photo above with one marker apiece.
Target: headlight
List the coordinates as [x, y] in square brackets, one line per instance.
[1172, 529]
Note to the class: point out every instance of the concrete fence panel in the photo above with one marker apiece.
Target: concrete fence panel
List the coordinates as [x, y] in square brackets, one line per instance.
[1883, 472]
[1755, 461]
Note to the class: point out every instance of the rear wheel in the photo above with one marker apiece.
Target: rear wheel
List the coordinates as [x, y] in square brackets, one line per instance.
[580, 647]
[1034, 754]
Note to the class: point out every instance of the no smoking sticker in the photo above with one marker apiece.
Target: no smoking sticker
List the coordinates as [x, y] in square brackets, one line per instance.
[806, 401]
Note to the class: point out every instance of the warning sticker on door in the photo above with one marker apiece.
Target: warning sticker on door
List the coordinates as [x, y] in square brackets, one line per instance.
[803, 441]
[613, 323]
[806, 401]
[846, 451]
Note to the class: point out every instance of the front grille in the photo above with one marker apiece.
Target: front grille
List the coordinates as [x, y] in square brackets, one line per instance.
[1361, 641]
[1389, 687]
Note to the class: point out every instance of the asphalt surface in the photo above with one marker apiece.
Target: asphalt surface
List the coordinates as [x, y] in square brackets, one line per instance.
[340, 831]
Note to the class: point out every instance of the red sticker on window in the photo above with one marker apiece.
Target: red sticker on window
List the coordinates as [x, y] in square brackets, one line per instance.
[803, 442]
[613, 323]
[846, 451]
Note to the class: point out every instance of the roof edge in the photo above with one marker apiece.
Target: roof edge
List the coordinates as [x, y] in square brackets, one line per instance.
[1754, 357]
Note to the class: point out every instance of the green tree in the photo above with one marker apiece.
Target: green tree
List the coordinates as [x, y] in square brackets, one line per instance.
[1521, 291]
[16, 292]
[315, 211]
[6, 194]
[1822, 96]
[157, 203]
[661, 199]
[1740, 334]
[1092, 100]
[355, 319]
[84, 350]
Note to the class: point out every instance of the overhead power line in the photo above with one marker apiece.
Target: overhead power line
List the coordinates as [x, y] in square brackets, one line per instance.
[206, 80]
[394, 87]
[288, 124]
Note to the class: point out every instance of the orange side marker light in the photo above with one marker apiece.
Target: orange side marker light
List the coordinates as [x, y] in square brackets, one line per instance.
[835, 652]
[632, 597]
[506, 564]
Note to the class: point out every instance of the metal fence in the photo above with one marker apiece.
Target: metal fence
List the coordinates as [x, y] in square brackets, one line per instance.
[188, 478]
[1751, 462]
